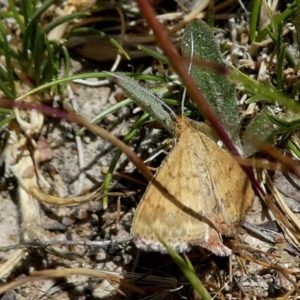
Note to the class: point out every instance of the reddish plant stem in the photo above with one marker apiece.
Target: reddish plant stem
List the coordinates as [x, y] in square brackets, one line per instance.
[79, 120]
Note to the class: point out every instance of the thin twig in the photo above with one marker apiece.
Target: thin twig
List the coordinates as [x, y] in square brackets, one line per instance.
[43, 244]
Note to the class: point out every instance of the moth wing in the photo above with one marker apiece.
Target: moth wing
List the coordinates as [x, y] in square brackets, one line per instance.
[233, 189]
[179, 211]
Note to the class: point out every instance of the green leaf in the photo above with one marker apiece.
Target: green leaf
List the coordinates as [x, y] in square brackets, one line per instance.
[260, 130]
[147, 100]
[198, 42]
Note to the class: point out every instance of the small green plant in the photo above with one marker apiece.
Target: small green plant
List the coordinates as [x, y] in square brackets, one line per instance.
[32, 58]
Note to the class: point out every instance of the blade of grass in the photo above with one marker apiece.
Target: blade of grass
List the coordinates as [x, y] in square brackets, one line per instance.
[9, 66]
[133, 131]
[187, 270]
[27, 10]
[253, 19]
[67, 63]
[64, 19]
[256, 98]
[13, 53]
[273, 24]
[38, 53]
[3, 73]
[49, 69]
[288, 55]
[113, 41]
[6, 90]
[154, 54]
[280, 53]
[30, 32]
[293, 148]
[16, 15]
[109, 110]
[290, 11]
[6, 120]
[256, 88]
[100, 75]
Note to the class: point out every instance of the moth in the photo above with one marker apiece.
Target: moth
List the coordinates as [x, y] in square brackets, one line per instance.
[203, 193]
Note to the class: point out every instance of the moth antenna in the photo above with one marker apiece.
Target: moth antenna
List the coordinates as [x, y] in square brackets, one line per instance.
[189, 71]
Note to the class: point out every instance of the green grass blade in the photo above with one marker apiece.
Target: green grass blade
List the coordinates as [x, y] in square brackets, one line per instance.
[254, 18]
[188, 271]
[289, 12]
[49, 68]
[3, 73]
[13, 53]
[293, 148]
[256, 88]
[64, 19]
[9, 65]
[40, 10]
[29, 37]
[256, 98]
[280, 53]
[16, 15]
[6, 90]
[27, 10]
[154, 54]
[67, 63]
[100, 75]
[133, 131]
[6, 120]
[113, 41]
[38, 53]
[109, 110]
